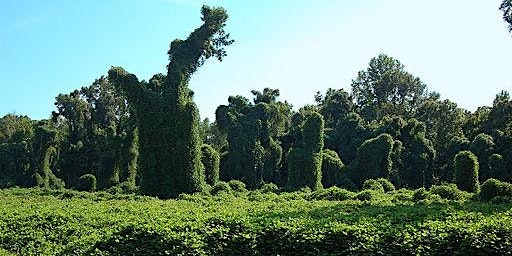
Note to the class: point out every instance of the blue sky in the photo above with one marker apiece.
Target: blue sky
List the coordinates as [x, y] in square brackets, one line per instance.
[460, 48]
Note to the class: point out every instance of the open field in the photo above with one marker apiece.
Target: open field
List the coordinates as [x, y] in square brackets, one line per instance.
[35, 222]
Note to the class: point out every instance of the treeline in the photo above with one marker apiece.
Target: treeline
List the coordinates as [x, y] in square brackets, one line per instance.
[124, 134]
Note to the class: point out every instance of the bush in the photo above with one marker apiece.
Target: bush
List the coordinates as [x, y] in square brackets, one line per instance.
[87, 182]
[466, 171]
[365, 195]
[220, 187]
[332, 194]
[492, 188]
[372, 184]
[448, 191]
[420, 194]
[386, 184]
[402, 196]
[269, 187]
[237, 186]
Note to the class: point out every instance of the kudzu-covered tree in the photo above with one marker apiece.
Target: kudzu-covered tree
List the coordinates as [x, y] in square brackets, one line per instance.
[211, 161]
[332, 168]
[252, 128]
[244, 161]
[98, 136]
[483, 147]
[305, 162]
[466, 171]
[417, 156]
[374, 160]
[497, 168]
[16, 135]
[45, 156]
[167, 117]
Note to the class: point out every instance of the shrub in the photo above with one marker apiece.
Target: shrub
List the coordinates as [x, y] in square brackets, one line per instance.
[466, 171]
[492, 188]
[332, 194]
[237, 186]
[220, 187]
[420, 194]
[372, 184]
[386, 184]
[269, 187]
[87, 182]
[365, 195]
[448, 191]
[402, 195]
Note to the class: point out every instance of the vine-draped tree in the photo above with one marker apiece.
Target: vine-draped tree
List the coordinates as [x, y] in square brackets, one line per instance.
[252, 131]
[167, 118]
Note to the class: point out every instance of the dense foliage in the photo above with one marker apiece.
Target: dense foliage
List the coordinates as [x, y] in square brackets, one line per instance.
[333, 221]
[145, 136]
[466, 171]
[167, 118]
[401, 168]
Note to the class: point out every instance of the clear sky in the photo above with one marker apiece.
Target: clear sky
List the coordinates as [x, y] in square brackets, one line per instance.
[459, 48]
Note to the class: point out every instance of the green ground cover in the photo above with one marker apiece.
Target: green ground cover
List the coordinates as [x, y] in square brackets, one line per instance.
[327, 222]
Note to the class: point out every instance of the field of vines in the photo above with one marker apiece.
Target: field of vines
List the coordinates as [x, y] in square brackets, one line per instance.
[439, 221]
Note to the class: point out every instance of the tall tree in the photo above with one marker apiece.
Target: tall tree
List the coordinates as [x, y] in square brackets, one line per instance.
[167, 117]
[385, 88]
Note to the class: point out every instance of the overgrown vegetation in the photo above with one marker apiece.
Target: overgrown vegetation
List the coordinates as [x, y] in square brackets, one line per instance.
[330, 221]
[387, 168]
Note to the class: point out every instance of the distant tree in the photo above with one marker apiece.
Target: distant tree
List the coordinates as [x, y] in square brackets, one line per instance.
[385, 88]
[483, 147]
[167, 118]
[444, 120]
[15, 129]
[466, 171]
[506, 7]
[334, 106]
